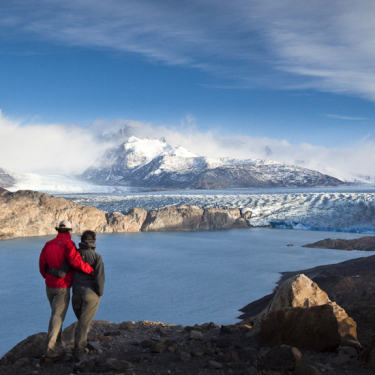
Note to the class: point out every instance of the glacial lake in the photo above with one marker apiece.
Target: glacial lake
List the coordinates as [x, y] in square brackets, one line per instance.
[176, 277]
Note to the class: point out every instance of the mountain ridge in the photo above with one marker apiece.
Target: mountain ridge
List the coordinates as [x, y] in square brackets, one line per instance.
[154, 163]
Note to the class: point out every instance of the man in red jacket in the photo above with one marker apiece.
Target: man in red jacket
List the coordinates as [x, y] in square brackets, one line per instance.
[58, 288]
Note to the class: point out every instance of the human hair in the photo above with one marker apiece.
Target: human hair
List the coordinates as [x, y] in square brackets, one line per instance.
[63, 230]
[88, 235]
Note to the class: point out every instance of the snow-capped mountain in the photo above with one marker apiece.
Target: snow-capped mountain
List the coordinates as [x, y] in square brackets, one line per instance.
[154, 163]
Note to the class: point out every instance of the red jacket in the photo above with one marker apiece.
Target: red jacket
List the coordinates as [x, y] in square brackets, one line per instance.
[54, 253]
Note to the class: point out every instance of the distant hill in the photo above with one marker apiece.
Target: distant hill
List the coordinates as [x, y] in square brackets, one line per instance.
[155, 163]
[7, 179]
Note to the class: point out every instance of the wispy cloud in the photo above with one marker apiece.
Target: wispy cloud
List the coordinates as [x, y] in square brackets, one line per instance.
[339, 117]
[280, 44]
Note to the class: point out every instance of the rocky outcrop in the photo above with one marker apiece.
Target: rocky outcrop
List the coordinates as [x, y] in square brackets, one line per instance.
[218, 218]
[314, 328]
[351, 284]
[173, 218]
[364, 243]
[301, 292]
[131, 222]
[33, 346]
[29, 213]
[184, 218]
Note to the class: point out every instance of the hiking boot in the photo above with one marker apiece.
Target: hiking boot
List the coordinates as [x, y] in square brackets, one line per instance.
[57, 356]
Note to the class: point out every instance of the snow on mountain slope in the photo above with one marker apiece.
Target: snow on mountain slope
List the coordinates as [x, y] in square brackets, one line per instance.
[153, 163]
[7, 178]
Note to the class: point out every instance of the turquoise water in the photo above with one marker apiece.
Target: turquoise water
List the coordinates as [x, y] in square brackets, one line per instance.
[176, 277]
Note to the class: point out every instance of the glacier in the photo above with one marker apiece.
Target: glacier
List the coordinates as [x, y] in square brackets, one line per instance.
[341, 210]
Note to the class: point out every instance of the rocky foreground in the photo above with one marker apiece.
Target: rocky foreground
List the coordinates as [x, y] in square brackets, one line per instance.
[300, 331]
[30, 213]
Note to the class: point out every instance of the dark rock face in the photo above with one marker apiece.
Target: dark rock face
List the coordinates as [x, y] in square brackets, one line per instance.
[33, 346]
[364, 243]
[314, 328]
[3, 191]
[368, 355]
[6, 179]
[351, 284]
[217, 218]
[282, 358]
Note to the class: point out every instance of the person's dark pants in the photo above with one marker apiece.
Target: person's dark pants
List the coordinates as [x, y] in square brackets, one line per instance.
[85, 307]
[59, 301]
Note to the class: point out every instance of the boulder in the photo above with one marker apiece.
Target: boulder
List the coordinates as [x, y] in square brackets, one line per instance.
[219, 218]
[173, 218]
[32, 347]
[300, 291]
[68, 334]
[282, 358]
[314, 328]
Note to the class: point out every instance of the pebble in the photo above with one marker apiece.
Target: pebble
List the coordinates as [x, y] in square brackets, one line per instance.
[215, 365]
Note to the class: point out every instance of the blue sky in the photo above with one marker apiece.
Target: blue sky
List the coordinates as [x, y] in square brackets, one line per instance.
[296, 76]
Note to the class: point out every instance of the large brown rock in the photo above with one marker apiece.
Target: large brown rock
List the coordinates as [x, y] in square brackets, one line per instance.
[314, 328]
[173, 218]
[351, 284]
[363, 243]
[300, 291]
[32, 347]
[29, 213]
[219, 218]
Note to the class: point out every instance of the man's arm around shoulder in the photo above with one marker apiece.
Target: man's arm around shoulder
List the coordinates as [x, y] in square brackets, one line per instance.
[75, 259]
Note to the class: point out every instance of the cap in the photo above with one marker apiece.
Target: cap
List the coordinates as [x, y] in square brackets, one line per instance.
[65, 224]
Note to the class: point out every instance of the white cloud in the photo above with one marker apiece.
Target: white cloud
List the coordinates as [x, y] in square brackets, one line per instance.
[339, 117]
[70, 149]
[288, 44]
[52, 148]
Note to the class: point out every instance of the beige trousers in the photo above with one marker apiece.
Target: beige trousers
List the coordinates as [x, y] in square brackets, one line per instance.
[59, 301]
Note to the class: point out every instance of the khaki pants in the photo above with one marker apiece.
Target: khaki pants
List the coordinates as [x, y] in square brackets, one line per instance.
[59, 301]
[85, 307]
